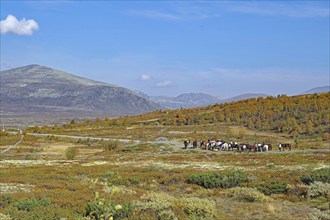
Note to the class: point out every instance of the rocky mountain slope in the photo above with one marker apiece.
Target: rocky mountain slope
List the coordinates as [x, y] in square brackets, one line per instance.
[243, 97]
[317, 90]
[187, 100]
[192, 100]
[41, 90]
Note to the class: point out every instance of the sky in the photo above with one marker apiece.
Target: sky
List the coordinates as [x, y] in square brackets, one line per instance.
[222, 48]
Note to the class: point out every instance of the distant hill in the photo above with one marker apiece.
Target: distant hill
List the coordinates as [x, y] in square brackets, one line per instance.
[187, 100]
[38, 90]
[300, 116]
[244, 96]
[318, 90]
[192, 100]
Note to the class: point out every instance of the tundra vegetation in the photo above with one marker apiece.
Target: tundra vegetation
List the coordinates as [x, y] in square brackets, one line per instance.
[117, 177]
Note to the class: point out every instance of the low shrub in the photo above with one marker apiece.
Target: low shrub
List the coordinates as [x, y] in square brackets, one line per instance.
[158, 204]
[247, 195]
[108, 176]
[215, 180]
[133, 181]
[321, 175]
[164, 206]
[104, 207]
[5, 200]
[42, 213]
[317, 189]
[110, 145]
[5, 217]
[71, 153]
[273, 187]
[197, 208]
[30, 204]
[319, 215]
[297, 190]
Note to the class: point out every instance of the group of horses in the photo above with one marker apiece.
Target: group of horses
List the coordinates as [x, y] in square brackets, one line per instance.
[221, 145]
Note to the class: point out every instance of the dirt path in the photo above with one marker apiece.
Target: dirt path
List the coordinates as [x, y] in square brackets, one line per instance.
[84, 137]
[17, 143]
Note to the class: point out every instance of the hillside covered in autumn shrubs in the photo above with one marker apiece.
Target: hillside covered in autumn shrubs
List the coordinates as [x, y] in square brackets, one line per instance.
[305, 115]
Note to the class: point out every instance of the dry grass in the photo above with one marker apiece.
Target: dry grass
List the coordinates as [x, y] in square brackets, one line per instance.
[160, 168]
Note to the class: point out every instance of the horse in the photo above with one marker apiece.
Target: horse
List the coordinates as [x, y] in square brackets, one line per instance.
[254, 148]
[211, 145]
[233, 145]
[270, 147]
[259, 147]
[194, 144]
[265, 147]
[283, 146]
[246, 147]
[186, 144]
[224, 146]
[202, 144]
[218, 144]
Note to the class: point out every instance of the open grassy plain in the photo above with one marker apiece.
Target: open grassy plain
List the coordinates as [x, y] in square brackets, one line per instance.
[136, 167]
[153, 179]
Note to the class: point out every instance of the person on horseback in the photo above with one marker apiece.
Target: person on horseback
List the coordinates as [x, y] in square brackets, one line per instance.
[195, 143]
[185, 143]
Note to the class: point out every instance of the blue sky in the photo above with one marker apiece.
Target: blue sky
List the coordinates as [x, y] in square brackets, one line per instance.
[223, 48]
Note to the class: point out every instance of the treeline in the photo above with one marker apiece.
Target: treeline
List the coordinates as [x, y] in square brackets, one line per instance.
[295, 115]
[306, 114]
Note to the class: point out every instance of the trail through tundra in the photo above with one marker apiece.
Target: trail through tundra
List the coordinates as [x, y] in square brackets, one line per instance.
[17, 143]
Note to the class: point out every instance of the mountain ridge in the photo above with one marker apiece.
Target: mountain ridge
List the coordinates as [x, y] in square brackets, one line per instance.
[36, 89]
[192, 100]
[319, 89]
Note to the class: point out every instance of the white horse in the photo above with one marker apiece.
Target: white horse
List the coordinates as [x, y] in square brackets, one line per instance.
[265, 147]
[218, 144]
[225, 146]
[259, 147]
[210, 145]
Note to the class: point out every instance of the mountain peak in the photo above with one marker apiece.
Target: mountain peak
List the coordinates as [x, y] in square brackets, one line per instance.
[42, 74]
[317, 90]
[40, 90]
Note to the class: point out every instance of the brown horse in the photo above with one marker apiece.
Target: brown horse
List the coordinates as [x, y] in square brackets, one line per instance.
[283, 146]
[203, 144]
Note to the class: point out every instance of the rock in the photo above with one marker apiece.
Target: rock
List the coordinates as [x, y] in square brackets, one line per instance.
[161, 139]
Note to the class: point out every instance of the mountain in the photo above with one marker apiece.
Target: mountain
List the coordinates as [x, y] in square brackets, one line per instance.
[318, 90]
[187, 100]
[40, 90]
[192, 100]
[141, 94]
[244, 96]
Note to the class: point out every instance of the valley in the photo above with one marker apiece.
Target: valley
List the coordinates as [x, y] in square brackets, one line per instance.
[164, 110]
[69, 171]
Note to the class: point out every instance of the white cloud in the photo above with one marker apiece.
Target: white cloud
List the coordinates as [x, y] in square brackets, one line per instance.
[145, 77]
[176, 11]
[154, 14]
[164, 83]
[22, 27]
[281, 9]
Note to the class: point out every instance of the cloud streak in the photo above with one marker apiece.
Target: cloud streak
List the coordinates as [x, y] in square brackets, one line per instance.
[165, 83]
[205, 10]
[145, 77]
[280, 9]
[20, 27]
[154, 14]
[177, 11]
